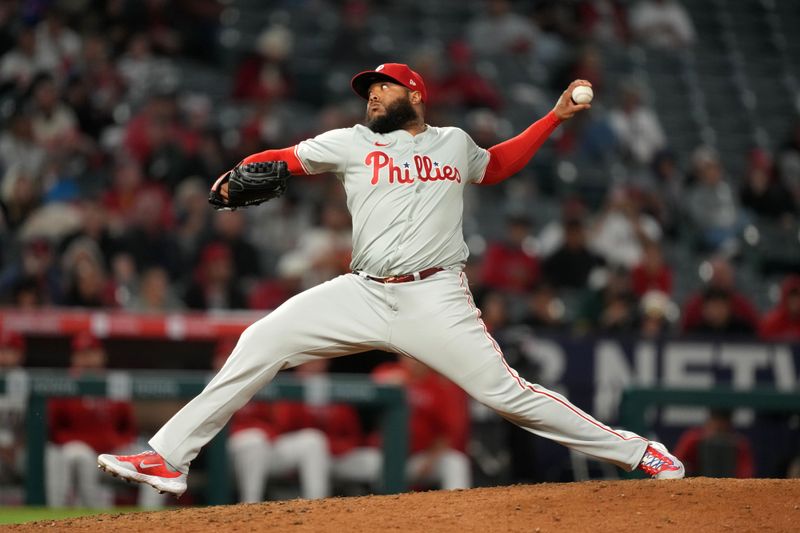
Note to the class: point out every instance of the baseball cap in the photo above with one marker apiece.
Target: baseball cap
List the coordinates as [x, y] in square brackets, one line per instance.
[396, 72]
[85, 341]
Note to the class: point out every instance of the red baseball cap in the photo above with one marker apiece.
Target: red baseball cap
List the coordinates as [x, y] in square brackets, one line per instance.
[396, 72]
[85, 341]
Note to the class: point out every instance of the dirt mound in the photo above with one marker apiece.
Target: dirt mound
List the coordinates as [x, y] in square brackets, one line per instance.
[698, 505]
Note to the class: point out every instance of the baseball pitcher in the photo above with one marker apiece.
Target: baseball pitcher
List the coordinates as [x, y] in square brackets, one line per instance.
[407, 292]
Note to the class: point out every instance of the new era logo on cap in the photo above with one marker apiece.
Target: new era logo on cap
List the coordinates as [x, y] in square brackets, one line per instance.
[396, 72]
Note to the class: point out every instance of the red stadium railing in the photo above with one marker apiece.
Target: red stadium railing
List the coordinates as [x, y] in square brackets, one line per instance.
[110, 323]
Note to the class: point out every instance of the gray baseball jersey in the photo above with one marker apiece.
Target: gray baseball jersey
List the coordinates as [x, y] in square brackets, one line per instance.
[405, 196]
[404, 192]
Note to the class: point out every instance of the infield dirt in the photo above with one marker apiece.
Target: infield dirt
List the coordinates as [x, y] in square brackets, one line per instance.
[689, 505]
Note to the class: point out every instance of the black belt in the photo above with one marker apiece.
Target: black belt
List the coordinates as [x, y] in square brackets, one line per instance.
[403, 278]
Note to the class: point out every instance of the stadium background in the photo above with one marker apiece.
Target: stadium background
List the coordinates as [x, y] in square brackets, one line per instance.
[126, 111]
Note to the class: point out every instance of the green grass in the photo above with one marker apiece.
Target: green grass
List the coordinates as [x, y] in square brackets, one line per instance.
[19, 515]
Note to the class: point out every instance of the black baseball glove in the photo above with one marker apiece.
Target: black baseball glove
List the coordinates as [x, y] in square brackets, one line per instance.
[250, 184]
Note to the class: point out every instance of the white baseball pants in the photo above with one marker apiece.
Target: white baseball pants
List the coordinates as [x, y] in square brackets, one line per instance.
[359, 465]
[255, 458]
[433, 320]
[72, 465]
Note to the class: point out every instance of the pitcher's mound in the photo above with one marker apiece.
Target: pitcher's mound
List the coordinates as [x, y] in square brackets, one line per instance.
[696, 505]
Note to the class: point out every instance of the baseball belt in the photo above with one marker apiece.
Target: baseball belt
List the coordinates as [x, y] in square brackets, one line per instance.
[402, 278]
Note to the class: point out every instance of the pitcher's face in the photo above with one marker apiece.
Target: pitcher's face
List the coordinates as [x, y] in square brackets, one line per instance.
[389, 107]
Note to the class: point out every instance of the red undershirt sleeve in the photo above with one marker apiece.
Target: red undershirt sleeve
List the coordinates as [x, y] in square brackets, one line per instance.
[508, 157]
[284, 154]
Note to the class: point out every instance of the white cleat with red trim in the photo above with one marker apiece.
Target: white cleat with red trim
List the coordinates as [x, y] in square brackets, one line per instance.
[147, 467]
[657, 462]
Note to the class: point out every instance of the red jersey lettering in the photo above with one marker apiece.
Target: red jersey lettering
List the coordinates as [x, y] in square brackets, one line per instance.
[377, 160]
[427, 169]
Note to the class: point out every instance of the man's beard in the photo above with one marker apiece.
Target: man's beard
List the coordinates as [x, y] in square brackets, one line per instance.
[398, 114]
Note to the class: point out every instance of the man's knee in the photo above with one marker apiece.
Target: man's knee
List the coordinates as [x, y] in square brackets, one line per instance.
[249, 440]
[311, 441]
[504, 392]
[362, 464]
[78, 452]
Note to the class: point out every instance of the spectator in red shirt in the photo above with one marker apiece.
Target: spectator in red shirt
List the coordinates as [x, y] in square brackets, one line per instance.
[783, 321]
[215, 285]
[272, 292]
[157, 126]
[718, 318]
[722, 277]
[439, 424]
[716, 449]
[463, 86]
[510, 265]
[79, 428]
[128, 186]
[652, 272]
[264, 76]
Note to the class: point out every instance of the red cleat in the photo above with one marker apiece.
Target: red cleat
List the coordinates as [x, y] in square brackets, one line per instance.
[147, 467]
[660, 464]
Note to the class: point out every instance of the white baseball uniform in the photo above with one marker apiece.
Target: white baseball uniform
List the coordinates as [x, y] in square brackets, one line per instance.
[405, 195]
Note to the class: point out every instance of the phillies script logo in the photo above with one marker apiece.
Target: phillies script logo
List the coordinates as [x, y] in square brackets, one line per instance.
[426, 169]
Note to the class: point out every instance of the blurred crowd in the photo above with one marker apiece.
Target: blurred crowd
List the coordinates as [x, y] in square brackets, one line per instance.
[108, 144]
[106, 155]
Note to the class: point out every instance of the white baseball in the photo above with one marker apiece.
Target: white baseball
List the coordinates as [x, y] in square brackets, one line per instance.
[582, 94]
